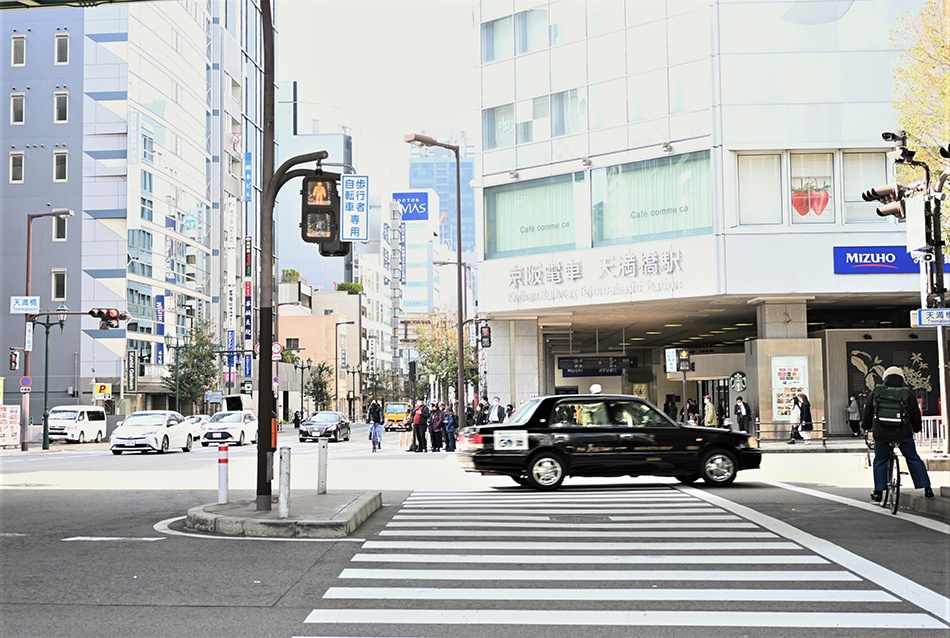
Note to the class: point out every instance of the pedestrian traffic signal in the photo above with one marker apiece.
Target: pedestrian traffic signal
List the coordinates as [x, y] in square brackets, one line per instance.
[682, 360]
[892, 196]
[109, 317]
[14, 359]
[484, 333]
[320, 203]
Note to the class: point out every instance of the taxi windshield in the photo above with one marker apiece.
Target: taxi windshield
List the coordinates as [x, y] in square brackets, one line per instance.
[523, 413]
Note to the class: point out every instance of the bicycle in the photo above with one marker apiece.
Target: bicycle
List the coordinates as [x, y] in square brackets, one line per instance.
[376, 436]
[892, 488]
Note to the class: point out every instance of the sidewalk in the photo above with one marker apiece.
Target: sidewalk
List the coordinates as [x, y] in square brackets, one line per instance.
[936, 462]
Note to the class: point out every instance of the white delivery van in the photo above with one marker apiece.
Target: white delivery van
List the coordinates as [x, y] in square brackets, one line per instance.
[77, 423]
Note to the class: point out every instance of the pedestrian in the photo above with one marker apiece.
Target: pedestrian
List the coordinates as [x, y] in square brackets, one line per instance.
[481, 415]
[669, 407]
[890, 414]
[496, 414]
[374, 414]
[795, 419]
[854, 415]
[297, 416]
[743, 414]
[469, 416]
[690, 411]
[807, 424]
[709, 413]
[508, 410]
[435, 426]
[420, 423]
[450, 427]
[722, 413]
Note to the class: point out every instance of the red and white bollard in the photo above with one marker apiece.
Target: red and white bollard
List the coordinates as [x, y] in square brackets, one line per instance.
[222, 474]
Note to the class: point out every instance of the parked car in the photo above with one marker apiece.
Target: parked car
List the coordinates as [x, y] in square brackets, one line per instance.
[332, 425]
[199, 423]
[550, 438]
[77, 423]
[157, 430]
[230, 426]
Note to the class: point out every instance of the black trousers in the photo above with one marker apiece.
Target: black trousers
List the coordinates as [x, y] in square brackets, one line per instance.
[436, 437]
[419, 434]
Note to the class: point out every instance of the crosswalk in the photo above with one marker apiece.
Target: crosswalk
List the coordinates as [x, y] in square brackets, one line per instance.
[664, 556]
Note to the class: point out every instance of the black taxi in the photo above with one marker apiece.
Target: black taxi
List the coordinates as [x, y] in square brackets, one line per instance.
[550, 438]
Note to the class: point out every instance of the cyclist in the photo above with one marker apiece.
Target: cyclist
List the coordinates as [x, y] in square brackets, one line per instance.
[904, 433]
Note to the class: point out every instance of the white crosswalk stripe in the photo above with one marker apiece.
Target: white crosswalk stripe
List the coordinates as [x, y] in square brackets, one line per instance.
[631, 552]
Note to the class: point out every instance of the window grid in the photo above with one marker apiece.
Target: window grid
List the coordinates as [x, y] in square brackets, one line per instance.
[58, 285]
[16, 168]
[17, 109]
[60, 165]
[61, 108]
[18, 50]
[59, 228]
[61, 52]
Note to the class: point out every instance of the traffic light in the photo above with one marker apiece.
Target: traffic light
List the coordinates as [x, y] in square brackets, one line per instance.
[892, 198]
[484, 334]
[14, 359]
[682, 360]
[320, 214]
[109, 317]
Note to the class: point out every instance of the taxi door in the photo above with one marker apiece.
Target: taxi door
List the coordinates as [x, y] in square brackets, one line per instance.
[650, 443]
[580, 428]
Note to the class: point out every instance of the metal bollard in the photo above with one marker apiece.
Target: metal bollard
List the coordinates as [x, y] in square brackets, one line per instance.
[222, 474]
[322, 466]
[283, 494]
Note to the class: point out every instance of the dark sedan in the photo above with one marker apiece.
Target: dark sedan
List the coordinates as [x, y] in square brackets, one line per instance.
[325, 425]
[550, 438]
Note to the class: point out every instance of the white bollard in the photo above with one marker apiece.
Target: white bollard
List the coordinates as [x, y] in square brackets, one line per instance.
[322, 466]
[222, 474]
[283, 494]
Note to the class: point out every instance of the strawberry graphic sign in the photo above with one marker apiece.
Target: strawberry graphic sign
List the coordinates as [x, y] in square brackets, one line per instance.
[808, 198]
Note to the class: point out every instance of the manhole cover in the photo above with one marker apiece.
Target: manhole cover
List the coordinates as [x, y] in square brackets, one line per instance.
[816, 509]
[568, 518]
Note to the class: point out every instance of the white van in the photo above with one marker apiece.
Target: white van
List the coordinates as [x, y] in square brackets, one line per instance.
[77, 423]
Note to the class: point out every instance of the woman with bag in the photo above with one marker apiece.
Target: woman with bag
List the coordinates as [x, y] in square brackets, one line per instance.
[807, 425]
[795, 417]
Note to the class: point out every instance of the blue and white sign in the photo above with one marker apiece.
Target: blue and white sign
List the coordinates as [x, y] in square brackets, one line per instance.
[354, 208]
[415, 205]
[28, 337]
[230, 348]
[864, 260]
[160, 354]
[248, 183]
[247, 366]
[511, 440]
[927, 317]
[24, 305]
[160, 314]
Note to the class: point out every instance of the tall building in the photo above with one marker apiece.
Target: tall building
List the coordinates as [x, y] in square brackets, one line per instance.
[657, 175]
[137, 117]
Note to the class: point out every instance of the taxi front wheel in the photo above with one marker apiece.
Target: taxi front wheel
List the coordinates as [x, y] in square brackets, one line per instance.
[719, 467]
[546, 471]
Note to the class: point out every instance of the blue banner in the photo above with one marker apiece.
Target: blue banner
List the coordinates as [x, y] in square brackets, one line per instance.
[230, 348]
[415, 206]
[865, 260]
[248, 183]
[247, 366]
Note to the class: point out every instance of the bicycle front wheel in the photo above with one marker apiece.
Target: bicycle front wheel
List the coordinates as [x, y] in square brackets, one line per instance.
[893, 483]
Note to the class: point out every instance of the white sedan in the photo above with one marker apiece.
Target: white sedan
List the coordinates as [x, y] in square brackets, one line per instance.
[231, 426]
[156, 430]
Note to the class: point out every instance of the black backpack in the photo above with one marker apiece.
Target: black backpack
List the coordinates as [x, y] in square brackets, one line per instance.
[891, 405]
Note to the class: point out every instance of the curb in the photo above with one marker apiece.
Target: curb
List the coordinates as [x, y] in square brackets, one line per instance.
[329, 516]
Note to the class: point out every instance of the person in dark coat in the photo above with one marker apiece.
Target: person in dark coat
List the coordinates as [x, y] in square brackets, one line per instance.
[420, 423]
[435, 426]
[807, 424]
[743, 414]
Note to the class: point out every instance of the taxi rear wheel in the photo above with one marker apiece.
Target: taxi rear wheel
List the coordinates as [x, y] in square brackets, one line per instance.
[546, 471]
[719, 467]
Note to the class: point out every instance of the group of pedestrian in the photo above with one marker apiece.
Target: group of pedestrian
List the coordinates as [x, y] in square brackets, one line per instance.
[433, 427]
[492, 413]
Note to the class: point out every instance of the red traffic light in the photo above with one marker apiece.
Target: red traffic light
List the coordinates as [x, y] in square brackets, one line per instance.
[109, 317]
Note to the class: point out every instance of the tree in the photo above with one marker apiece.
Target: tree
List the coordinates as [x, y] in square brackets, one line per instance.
[318, 385]
[922, 82]
[437, 345]
[353, 288]
[289, 276]
[194, 369]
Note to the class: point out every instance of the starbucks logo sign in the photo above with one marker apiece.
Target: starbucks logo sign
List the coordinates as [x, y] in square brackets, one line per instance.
[737, 382]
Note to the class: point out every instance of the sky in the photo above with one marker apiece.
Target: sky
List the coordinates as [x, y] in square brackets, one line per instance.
[385, 68]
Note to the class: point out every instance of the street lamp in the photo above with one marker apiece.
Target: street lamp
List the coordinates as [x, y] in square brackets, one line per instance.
[418, 139]
[61, 313]
[177, 345]
[298, 365]
[353, 396]
[336, 361]
[25, 401]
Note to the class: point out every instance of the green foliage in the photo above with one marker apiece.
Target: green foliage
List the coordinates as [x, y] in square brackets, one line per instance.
[318, 385]
[289, 276]
[194, 364]
[922, 84]
[288, 356]
[352, 288]
[437, 345]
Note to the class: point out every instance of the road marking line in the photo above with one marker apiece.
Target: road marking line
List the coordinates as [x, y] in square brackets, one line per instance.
[112, 538]
[598, 575]
[907, 589]
[541, 559]
[573, 595]
[573, 534]
[11, 535]
[592, 545]
[535, 525]
[418, 616]
[937, 526]
[542, 518]
[527, 509]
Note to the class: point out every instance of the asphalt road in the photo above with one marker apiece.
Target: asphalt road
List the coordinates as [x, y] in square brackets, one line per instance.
[88, 548]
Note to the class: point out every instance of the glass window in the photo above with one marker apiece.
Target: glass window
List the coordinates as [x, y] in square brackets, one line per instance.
[146, 208]
[531, 217]
[760, 189]
[62, 49]
[647, 96]
[497, 40]
[568, 112]
[147, 181]
[531, 31]
[61, 108]
[17, 108]
[533, 120]
[498, 126]
[568, 21]
[861, 172]
[654, 199]
[812, 176]
[59, 228]
[18, 51]
[293, 343]
[148, 148]
[608, 104]
[16, 168]
[574, 414]
[59, 166]
[59, 285]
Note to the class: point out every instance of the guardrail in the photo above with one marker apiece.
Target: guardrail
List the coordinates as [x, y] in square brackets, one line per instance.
[932, 435]
[781, 431]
